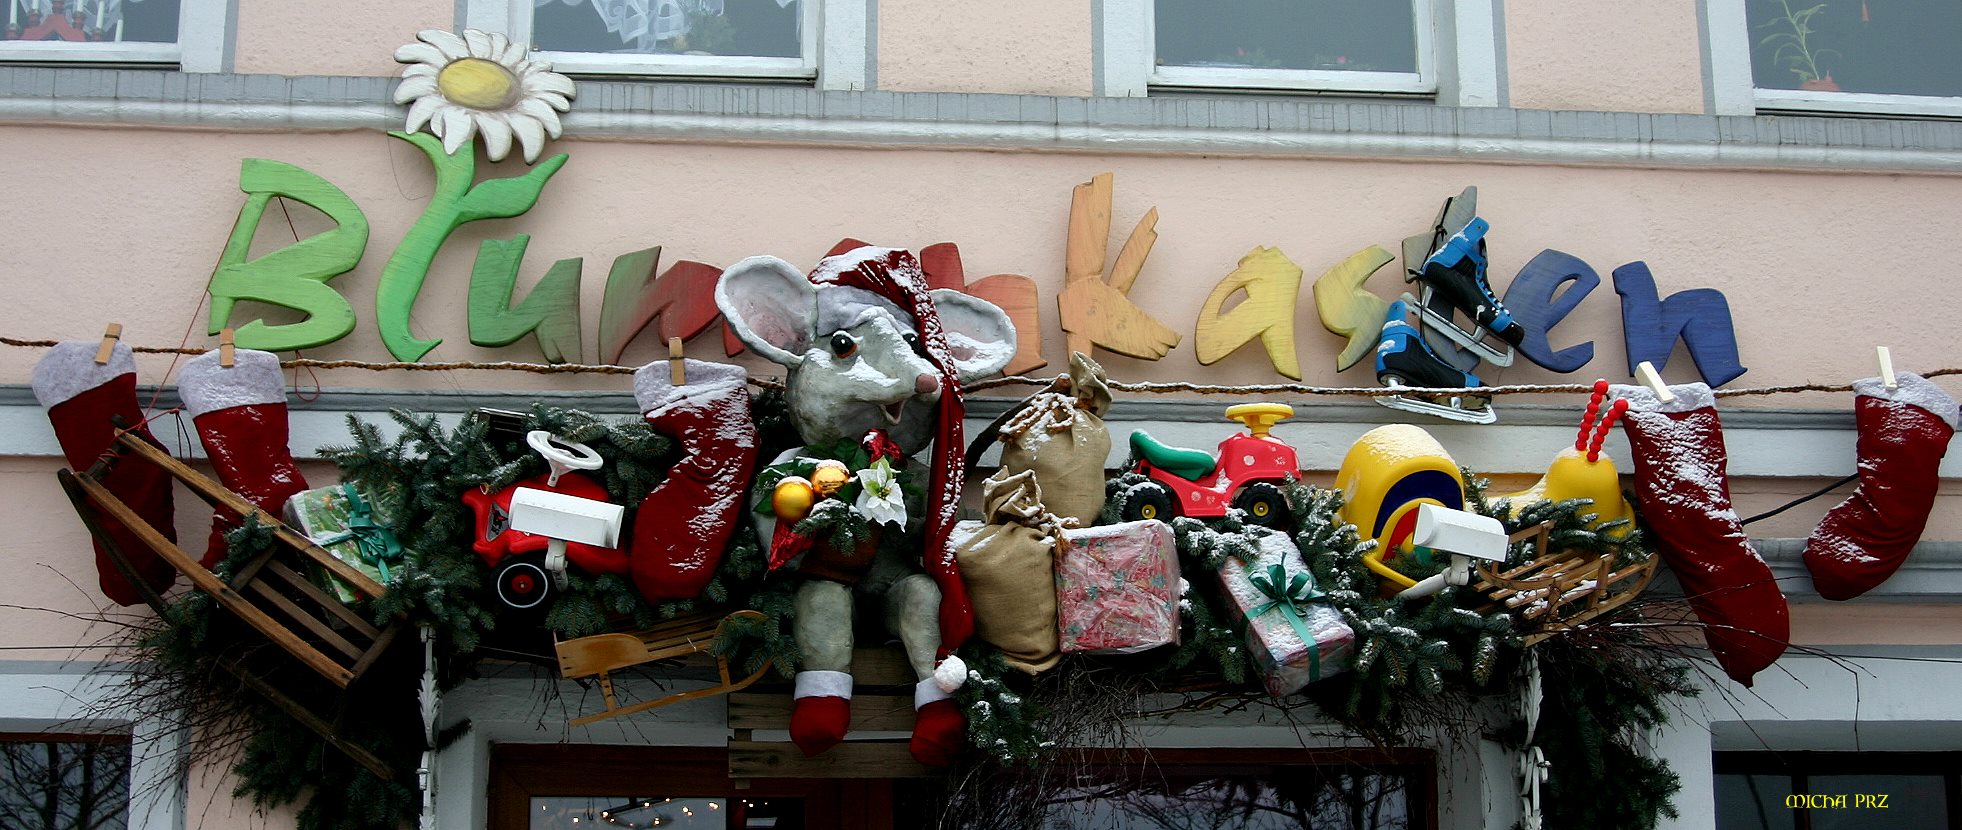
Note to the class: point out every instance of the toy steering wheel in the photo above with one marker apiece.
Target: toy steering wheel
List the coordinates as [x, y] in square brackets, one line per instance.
[1259, 417]
[561, 454]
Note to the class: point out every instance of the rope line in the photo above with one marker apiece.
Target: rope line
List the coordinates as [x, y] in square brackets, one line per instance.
[1010, 380]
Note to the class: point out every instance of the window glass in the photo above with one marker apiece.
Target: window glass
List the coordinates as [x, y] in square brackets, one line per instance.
[748, 28]
[92, 21]
[1338, 35]
[74, 784]
[1285, 798]
[1898, 47]
[1913, 802]
[636, 812]
[1754, 802]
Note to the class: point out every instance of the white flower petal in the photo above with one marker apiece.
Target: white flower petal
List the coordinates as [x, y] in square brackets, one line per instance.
[514, 55]
[457, 129]
[546, 81]
[531, 136]
[413, 88]
[543, 112]
[552, 99]
[418, 70]
[478, 43]
[451, 46]
[498, 45]
[421, 53]
[423, 110]
[497, 134]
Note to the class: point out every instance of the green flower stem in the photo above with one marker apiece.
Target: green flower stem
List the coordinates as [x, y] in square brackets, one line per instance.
[455, 203]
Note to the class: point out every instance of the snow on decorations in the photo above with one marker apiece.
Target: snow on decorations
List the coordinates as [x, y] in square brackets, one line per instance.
[481, 82]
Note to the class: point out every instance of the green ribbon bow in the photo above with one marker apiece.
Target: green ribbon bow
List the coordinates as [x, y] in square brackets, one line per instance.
[1291, 597]
[374, 542]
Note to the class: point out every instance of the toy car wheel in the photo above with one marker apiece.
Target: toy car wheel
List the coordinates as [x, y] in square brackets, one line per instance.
[1149, 501]
[1264, 505]
[523, 584]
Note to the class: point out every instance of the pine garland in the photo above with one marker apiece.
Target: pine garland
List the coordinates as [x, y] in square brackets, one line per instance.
[1418, 666]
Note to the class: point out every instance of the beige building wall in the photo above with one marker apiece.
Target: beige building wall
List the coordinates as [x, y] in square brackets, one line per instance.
[1599, 55]
[1019, 47]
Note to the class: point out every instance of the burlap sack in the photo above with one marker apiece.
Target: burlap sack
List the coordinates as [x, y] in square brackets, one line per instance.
[1060, 436]
[1007, 564]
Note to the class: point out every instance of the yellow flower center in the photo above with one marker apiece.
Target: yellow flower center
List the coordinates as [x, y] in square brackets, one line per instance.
[478, 84]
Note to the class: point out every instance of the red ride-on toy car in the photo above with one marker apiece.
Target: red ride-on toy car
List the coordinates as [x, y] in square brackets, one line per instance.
[1248, 474]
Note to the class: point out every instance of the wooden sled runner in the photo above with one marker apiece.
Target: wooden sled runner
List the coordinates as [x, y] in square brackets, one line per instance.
[271, 594]
[1561, 589]
[602, 654]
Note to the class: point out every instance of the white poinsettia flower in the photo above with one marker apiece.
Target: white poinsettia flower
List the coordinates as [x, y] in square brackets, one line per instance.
[481, 83]
[880, 500]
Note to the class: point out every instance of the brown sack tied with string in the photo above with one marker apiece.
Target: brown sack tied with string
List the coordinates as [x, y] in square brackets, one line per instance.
[1008, 564]
[1061, 437]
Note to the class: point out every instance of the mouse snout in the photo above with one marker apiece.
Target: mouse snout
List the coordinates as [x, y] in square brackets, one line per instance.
[927, 383]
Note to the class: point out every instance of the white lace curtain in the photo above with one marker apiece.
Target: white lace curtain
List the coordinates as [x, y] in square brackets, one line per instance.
[642, 24]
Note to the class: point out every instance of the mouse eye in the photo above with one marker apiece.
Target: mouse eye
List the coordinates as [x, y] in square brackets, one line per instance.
[914, 341]
[843, 345]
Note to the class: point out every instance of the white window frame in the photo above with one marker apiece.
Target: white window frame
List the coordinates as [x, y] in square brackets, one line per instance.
[63, 700]
[833, 48]
[1734, 89]
[1458, 52]
[203, 32]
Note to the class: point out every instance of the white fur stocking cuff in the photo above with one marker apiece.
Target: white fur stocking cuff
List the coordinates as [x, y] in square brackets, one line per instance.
[823, 684]
[928, 691]
[69, 369]
[253, 380]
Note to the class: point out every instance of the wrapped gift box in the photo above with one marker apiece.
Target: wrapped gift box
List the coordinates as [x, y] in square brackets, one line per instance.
[1295, 639]
[1117, 589]
[324, 514]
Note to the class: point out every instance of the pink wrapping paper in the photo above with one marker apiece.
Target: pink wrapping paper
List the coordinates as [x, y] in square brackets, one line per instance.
[1117, 589]
[1287, 661]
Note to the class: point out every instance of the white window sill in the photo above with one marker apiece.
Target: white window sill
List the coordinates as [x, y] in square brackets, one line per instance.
[1859, 103]
[1209, 77]
[65, 52]
[697, 66]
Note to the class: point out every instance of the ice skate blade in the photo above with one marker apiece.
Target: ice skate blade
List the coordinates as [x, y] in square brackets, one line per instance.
[1471, 341]
[1438, 410]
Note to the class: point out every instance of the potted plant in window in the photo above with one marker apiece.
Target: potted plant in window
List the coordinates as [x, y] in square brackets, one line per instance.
[1792, 45]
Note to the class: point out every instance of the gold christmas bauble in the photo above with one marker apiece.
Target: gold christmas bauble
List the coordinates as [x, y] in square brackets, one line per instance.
[828, 477]
[792, 499]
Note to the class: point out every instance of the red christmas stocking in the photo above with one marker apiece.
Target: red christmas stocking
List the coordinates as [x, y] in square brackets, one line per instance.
[81, 397]
[1684, 491]
[822, 711]
[682, 528]
[1903, 435]
[240, 414]
[939, 728]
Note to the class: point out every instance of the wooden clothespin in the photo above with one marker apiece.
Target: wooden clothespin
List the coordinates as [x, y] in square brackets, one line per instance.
[677, 371]
[110, 335]
[227, 348]
[1645, 371]
[1887, 377]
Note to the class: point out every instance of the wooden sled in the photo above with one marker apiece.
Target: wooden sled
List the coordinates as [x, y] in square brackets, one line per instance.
[602, 654]
[1561, 589]
[271, 594]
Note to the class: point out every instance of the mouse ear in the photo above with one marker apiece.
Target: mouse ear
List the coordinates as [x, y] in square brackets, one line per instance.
[771, 307]
[979, 334]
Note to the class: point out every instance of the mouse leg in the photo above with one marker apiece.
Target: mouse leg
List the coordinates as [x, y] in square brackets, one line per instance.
[913, 612]
[823, 708]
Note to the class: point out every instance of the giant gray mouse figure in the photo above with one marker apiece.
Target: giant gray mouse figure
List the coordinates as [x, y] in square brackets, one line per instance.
[868, 347]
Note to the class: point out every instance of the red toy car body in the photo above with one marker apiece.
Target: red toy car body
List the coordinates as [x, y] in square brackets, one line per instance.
[1247, 473]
